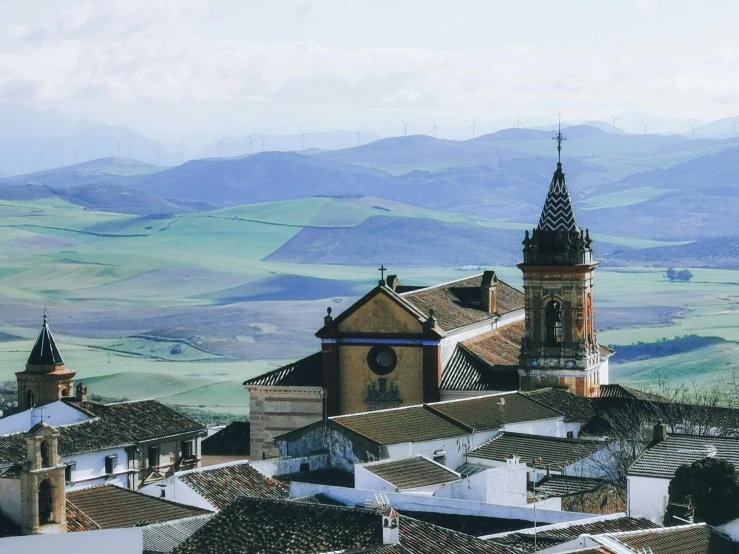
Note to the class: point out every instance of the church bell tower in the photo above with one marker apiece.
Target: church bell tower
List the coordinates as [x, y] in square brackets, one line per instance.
[559, 348]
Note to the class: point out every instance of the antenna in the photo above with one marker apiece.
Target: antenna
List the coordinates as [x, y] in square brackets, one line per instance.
[645, 126]
[614, 121]
[76, 151]
[405, 127]
[692, 129]
[473, 127]
[157, 150]
[130, 149]
[380, 502]
[359, 136]
[434, 128]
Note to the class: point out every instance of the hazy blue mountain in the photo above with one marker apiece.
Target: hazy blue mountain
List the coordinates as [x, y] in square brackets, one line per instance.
[722, 128]
[32, 140]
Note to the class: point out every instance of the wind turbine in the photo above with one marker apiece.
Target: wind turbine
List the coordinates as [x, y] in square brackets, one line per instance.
[614, 121]
[303, 140]
[645, 126]
[120, 141]
[76, 151]
[219, 143]
[251, 144]
[733, 120]
[518, 123]
[157, 150]
[692, 129]
[405, 127]
[473, 127]
[359, 136]
[130, 149]
[434, 128]
[180, 157]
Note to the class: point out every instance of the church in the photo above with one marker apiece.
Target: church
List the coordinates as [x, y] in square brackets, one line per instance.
[403, 345]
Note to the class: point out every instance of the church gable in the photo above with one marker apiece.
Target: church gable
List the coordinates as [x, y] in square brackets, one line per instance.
[380, 313]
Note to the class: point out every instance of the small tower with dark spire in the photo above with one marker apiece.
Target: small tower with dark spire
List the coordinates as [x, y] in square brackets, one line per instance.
[46, 379]
[560, 348]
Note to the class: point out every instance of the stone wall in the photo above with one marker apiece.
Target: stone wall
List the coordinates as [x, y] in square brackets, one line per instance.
[278, 410]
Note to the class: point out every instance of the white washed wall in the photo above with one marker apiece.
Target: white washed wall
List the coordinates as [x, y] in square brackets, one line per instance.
[647, 497]
[177, 491]
[109, 541]
[90, 469]
[56, 413]
[553, 427]
[503, 485]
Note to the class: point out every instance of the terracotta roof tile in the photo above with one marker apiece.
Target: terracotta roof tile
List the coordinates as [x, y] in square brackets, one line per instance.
[573, 406]
[413, 472]
[566, 485]
[113, 507]
[222, 485]
[494, 411]
[548, 450]
[260, 525]
[163, 538]
[661, 460]
[688, 539]
[411, 424]
[499, 347]
[303, 373]
[465, 371]
[457, 303]
[232, 440]
[77, 520]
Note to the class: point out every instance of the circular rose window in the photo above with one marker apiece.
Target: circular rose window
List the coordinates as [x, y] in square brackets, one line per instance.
[382, 359]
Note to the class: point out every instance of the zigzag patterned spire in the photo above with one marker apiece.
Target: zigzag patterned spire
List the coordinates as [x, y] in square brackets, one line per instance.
[558, 213]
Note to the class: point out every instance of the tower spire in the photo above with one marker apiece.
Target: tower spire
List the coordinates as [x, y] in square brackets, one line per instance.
[558, 213]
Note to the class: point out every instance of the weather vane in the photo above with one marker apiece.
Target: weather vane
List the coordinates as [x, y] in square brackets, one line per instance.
[559, 138]
[46, 312]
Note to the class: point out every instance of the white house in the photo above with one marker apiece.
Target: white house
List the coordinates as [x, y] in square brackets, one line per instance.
[110, 541]
[648, 478]
[216, 487]
[441, 431]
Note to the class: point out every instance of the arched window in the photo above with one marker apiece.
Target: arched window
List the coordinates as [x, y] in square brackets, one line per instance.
[45, 457]
[44, 502]
[65, 392]
[30, 399]
[553, 318]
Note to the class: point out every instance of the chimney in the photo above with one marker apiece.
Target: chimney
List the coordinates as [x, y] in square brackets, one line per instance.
[327, 318]
[659, 433]
[487, 298]
[390, 527]
[393, 281]
[80, 392]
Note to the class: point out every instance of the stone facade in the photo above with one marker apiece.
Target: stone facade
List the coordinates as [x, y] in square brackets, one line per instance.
[277, 410]
[43, 495]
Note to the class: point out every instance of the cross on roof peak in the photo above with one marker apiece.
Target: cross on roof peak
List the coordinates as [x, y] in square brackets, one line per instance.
[559, 138]
[382, 269]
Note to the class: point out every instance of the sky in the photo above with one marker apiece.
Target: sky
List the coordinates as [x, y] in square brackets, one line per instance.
[171, 67]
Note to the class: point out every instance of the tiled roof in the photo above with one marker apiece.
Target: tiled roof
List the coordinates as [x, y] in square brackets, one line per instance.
[558, 213]
[325, 476]
[546, 450]
[573, 406]
[566, 485]
[661, 460]
[163, 538]
[457, 303]
[553, 535]
[232, 440]
[45, 352]
[494, 411]
[303, 373]
[221, 485]
[77, 520]
[466, 371]
[411, 424]
[477, 526]
[686, 539]
[620, 391]
[413, 472]
[499, 347]
[259, 525]
[113, 507]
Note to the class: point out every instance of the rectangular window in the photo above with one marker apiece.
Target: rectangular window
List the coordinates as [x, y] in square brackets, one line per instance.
[305, 466]
[69, 471]
[570, 434]
[110, 462]
[187, 450]
[382, 385]
[153, 455]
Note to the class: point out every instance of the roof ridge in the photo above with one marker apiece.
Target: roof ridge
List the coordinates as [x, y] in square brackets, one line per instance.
[656, 530]
[215, 466]
[548, 438]
[431, 287]
[501, 393]
[334, 418]
[173, 521]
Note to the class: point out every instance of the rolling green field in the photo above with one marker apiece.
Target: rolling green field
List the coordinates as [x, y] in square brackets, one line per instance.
[185, 308]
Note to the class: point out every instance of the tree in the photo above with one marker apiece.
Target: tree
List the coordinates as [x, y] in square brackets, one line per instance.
[683, 275]
[711, 486]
